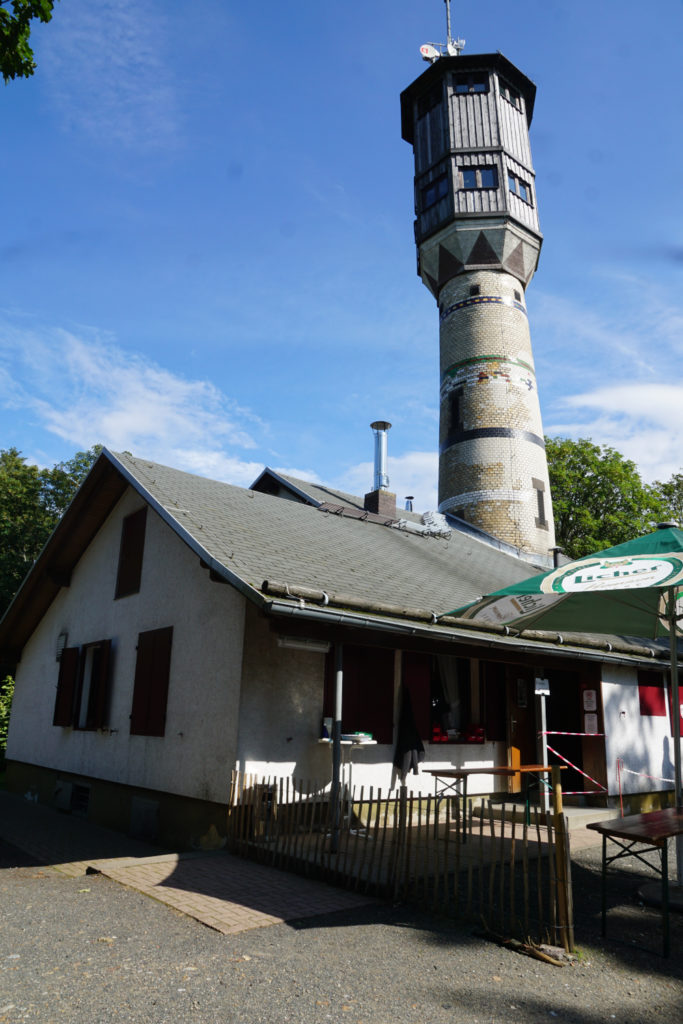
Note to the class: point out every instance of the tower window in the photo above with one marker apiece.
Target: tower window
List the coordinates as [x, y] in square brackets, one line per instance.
[541, 521]
[475, 289]
[436, 190]
[454, 417]
[520, 188]
[467, 84]
[479, 177]
[511, 95]
[429, 100]
[517, 295]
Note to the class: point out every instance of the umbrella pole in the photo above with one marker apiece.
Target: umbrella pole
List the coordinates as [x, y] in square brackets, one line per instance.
[676, 724]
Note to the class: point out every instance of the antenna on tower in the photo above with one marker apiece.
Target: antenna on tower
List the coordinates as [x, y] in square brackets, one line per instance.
[453, 47]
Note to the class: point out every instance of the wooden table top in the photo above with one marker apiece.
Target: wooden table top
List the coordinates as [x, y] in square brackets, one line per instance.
[654, 828]
[461, 773]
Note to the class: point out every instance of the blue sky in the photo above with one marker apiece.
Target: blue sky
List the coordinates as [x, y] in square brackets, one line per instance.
[206, 252]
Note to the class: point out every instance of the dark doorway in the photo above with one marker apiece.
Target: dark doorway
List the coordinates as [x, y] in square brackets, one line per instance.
[564, 716]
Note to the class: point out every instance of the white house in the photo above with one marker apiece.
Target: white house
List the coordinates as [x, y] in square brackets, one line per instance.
[175, 628]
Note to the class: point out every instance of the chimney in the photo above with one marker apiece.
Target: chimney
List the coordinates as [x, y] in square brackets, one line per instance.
[381, 500]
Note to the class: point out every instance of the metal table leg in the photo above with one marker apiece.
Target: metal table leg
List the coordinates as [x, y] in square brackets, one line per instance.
[604, 885]
[665, 898]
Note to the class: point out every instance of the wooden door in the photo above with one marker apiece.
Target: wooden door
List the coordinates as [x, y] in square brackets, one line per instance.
[521, 722]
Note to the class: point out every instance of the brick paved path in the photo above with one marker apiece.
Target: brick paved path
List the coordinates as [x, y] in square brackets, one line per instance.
[224, 892]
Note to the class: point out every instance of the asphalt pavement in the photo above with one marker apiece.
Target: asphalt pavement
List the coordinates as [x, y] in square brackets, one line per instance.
[82, 947]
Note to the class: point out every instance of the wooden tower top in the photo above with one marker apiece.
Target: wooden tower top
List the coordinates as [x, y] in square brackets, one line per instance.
[467, 119]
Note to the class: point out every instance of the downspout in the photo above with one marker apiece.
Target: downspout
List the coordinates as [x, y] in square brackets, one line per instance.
[336, 741]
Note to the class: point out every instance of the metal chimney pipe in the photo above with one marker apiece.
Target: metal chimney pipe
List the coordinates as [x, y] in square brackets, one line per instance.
[380, 428]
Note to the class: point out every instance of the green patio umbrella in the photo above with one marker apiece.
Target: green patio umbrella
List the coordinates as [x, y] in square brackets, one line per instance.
[633, 589]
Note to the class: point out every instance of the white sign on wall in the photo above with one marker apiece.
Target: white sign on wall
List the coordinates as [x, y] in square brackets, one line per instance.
[590, 724]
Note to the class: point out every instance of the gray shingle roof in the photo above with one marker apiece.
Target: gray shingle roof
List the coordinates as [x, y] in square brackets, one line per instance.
[323, 493]
[258, 537]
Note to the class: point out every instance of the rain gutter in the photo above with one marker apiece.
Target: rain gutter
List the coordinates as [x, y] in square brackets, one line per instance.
[336, 617]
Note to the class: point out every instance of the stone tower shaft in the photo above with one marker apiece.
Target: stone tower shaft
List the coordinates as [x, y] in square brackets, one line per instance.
[478, 241]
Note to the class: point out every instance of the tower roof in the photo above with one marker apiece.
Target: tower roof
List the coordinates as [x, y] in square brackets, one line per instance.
[470, 62]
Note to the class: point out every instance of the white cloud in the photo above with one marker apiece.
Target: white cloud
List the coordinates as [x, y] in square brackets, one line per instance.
[85, 389]
[642, 421]
[411, 473]
[301, 474]
[107, 73]
[216, 465]
[606, 374]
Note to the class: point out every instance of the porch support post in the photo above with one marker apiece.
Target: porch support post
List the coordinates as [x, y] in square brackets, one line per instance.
[336, 741]
[676, 723]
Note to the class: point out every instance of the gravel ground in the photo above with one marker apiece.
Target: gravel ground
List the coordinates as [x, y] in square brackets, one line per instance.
[88, 951]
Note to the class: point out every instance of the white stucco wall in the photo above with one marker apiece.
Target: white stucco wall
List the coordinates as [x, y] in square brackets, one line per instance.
[642, 741]
[197, 753]
[280, 724]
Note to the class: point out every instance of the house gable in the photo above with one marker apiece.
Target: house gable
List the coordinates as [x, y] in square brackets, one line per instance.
[183, 739]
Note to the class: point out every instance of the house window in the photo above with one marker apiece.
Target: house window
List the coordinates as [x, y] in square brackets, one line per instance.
[494, 700]
[651, 694]
[476, 82]
[367, 691]
[479, 177]
[440, 696]
[520, 188]
[436, 190]
[130, 554]
[83, 686]
[150, 691]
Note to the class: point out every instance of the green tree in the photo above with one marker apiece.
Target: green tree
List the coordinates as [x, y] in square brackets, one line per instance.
[671, 496]
[16, 55]
[6, 693]
[598, 496]
[32, 500]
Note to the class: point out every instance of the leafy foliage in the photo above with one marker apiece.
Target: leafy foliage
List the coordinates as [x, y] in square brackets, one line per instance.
[598, 497]
[32, 500]
[671, 497]
[6, 694]
[16, 55]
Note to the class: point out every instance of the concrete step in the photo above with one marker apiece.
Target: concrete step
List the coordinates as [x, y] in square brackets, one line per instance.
[577, 817]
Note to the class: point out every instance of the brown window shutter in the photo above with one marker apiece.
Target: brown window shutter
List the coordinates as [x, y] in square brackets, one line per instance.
[130, 553]
[98, 699]
[66, 687]
[150, 693]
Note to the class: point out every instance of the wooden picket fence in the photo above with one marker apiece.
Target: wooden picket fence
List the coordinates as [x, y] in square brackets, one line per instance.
[487, 861]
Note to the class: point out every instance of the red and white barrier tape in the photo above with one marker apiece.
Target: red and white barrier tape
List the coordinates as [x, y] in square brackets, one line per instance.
[644, 775]
[577, 792]
[571, 734]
